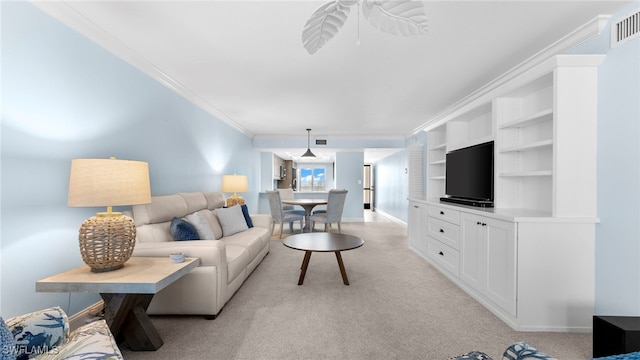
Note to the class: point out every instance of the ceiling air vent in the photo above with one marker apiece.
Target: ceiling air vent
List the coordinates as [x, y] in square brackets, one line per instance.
[321, 141]
[625, 29]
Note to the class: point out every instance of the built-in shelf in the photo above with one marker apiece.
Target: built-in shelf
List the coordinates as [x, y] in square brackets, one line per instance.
[527, 173]
[544, 115]
[438, 162]
[439, 147]
[436, 178]
[528, 146]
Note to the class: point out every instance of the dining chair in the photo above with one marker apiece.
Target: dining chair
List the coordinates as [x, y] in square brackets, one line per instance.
[335, 205]
[287, 194]
[279, 215]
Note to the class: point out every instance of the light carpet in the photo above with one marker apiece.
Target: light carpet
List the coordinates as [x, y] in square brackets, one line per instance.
[397, 307]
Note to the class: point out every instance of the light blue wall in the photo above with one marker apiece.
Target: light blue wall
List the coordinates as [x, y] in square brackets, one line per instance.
[392, 185]
[63, 97]
[349, 176]
[617, 269]
[392, 182]
[618, 234]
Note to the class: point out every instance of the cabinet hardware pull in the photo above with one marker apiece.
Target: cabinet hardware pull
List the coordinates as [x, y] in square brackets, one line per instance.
[441, 212]
[484, 224]
[442, 231]
[441, 253]
[478, 223]
[415, 206]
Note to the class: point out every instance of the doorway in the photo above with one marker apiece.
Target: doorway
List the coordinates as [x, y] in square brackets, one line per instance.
[367, 187]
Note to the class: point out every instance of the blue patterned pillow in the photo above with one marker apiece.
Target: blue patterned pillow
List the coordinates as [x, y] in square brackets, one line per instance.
[7, 352]
[39, 332]
[247, 217]
[182, 230]
[524, 351]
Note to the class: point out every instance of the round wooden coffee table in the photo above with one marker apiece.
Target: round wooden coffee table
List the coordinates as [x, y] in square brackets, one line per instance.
[322, 242]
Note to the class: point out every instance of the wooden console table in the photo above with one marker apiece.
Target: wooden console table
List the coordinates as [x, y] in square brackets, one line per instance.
[127, 293]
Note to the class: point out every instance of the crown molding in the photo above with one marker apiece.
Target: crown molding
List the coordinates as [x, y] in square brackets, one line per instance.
[581, 34]
[66, 14]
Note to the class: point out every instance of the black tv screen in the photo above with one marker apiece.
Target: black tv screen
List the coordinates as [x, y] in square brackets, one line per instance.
[469, 173]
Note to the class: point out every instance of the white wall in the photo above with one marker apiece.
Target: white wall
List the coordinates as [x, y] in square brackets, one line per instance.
[63, 97]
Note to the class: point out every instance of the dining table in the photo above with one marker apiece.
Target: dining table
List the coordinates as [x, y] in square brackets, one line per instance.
[307, 205]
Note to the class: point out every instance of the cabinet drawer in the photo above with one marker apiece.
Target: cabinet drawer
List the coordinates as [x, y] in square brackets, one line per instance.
[444, 255]
[447, 233]
[452, 216]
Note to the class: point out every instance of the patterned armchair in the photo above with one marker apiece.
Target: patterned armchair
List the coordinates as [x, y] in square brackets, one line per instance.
[524, 351]
[45, 334]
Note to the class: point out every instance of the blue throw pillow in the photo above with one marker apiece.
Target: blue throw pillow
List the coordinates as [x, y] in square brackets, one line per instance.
[182, 230]
[8, 343]
[247, 217]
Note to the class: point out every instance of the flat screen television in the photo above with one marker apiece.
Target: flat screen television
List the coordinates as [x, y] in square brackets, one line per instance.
[469, 175]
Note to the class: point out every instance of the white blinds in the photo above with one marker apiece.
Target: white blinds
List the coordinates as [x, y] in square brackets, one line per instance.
[415, 171]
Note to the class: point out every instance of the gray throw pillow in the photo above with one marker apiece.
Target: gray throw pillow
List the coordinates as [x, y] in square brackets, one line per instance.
[232, 220]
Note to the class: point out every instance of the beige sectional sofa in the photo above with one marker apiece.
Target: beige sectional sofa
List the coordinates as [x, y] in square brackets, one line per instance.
[225, 260]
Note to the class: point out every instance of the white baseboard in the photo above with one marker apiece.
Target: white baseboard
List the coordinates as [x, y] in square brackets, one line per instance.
[390, 217]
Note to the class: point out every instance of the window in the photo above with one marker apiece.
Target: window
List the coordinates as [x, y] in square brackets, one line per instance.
[312, 179]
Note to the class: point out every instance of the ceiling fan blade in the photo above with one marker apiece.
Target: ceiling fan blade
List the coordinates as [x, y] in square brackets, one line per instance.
[323, 24]
[397, 17]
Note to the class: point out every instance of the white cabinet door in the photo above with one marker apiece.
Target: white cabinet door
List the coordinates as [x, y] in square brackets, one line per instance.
[500, 263]
[488, 259]
[472, 252]
[417, 229]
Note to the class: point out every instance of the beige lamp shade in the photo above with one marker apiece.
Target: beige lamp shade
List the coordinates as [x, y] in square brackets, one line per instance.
[235, 184]
[108, 182]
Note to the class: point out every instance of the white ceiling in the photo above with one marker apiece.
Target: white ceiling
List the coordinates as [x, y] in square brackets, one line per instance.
[244, 61]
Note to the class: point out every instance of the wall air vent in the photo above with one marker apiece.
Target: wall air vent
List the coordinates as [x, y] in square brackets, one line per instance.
[321, 141]
[626, 29]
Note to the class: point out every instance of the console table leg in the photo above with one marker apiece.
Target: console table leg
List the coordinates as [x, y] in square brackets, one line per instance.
[345, 280]
[127, 317]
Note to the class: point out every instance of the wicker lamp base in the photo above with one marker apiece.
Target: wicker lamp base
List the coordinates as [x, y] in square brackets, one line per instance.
[107, 241]
[235, 200]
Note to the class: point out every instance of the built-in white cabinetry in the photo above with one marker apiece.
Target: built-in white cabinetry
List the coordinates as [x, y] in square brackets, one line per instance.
[488, 261]
[417, 230]
[519, 257]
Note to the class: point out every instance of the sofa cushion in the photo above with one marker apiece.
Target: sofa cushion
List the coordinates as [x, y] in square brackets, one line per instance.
[161, 209]
[198, 220]
[253, 240]
[182, 230]
[238, 258]
[195, 201]
[212, 218]
[215, 200]
[232, 220]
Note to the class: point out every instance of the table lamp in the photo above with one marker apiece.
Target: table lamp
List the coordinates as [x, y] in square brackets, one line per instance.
[107, 239]
[235, 183]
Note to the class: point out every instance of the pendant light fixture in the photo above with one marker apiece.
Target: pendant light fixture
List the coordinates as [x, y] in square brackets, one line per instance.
[308, 153]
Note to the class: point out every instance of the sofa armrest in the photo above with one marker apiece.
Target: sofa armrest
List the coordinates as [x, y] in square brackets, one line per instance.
[32, 330]
[210, 252]
[261, 220]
